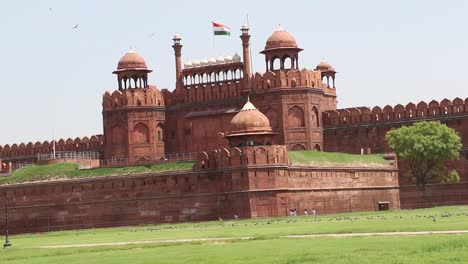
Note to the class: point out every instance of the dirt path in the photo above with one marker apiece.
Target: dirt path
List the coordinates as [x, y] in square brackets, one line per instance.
[451, 232]
[152, 242]
[189, 240]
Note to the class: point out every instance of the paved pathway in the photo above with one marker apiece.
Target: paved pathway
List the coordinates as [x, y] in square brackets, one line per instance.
[152, 242]
[451, 232]
[189, 240]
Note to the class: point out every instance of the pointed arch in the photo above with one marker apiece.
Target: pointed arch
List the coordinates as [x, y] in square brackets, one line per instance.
[141, 133]
[296, 117]
[315, 116]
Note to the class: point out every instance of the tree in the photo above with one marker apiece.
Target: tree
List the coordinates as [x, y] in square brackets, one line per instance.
[426, 146]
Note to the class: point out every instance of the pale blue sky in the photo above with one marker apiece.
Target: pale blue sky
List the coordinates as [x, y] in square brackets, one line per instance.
[53, 77]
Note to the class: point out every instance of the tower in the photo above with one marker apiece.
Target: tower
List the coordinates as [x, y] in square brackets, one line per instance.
[133, 115]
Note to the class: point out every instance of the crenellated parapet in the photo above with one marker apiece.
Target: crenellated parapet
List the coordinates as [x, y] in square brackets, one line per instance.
[132, 98]
[242, 156]
[93, 143]
[288, 79]
[422, 110]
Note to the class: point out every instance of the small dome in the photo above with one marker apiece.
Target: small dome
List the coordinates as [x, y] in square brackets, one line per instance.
[281, 39]
[324, 66]
[236, 58]
[249, 121]
[211, 61]
[195, 63]
[188, 64]
[177, 36]
[228, 59]
[220, 60]
[203, 62]
[245, 26]
[131, 60]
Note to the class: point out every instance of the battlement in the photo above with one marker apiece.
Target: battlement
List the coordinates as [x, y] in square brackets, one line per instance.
[289, 79]
[93, 143]
[132, 97]
[423, 110]
[242, 156]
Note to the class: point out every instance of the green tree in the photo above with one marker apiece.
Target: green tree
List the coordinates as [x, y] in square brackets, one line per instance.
[426, 146]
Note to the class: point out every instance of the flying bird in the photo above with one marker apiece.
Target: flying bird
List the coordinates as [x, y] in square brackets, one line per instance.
[75, 27]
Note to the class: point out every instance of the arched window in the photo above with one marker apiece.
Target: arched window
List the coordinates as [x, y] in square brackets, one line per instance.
[275, 64]
[287, 62]
[295, 117]
[141, 133]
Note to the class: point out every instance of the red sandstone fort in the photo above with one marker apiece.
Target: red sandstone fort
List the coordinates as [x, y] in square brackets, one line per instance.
[241, 125]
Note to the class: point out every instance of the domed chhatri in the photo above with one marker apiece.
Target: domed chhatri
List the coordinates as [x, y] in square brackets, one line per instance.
[249, 127]
[132, 61]
[324, 66]
[281, 46]
[281, 39]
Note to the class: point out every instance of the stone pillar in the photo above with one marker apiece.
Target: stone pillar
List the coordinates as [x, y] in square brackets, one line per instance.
[245, 37]
[178, 59]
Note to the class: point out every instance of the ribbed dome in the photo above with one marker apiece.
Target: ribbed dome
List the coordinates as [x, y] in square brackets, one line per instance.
[132, 60]
[324, 66]
[249, 121]
[281, 39]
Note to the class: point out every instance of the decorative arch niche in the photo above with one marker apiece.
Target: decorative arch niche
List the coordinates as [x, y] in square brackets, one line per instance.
[295, 117]
[298, 147]
[141, 133]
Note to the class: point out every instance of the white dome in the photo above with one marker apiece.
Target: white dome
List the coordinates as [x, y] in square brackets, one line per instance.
[220, 60]
[211, 61]
[203, 62]
[228, 59]
[177, 36]
[188, 64]
[195, 63]
[236, 58]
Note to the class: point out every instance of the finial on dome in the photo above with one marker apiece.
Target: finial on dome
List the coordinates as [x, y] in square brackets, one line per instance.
[248, 105]
[280, 28]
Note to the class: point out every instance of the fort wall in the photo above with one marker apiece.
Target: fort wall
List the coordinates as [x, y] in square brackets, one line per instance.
[252, 182]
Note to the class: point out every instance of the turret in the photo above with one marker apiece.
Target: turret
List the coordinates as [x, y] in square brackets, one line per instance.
[132, 71]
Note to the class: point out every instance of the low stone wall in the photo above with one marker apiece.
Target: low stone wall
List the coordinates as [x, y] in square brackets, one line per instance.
[249, 191]
[436, 195]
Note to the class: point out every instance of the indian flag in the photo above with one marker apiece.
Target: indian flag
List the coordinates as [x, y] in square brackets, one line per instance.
[220, 29]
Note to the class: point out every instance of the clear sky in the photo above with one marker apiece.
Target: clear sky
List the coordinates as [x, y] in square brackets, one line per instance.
[52, 77]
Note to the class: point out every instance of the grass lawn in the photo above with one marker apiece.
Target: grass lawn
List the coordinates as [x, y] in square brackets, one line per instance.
[268, 244]
[317, 158]
[70, 171]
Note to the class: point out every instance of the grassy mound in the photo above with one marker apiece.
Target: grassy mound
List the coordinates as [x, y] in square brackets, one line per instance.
[71, 171]
[316, 158]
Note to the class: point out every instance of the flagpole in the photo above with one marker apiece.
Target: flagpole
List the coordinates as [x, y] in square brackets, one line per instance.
[213, 38]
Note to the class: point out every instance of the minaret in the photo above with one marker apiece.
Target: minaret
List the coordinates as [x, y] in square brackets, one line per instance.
[245, 37]
[178, 59]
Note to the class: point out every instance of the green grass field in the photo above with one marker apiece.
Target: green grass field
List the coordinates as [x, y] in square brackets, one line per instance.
[317, 158]
[267, 243]
[71, 171]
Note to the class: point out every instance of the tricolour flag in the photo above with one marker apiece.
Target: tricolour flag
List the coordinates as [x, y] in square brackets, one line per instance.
[220, 29]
